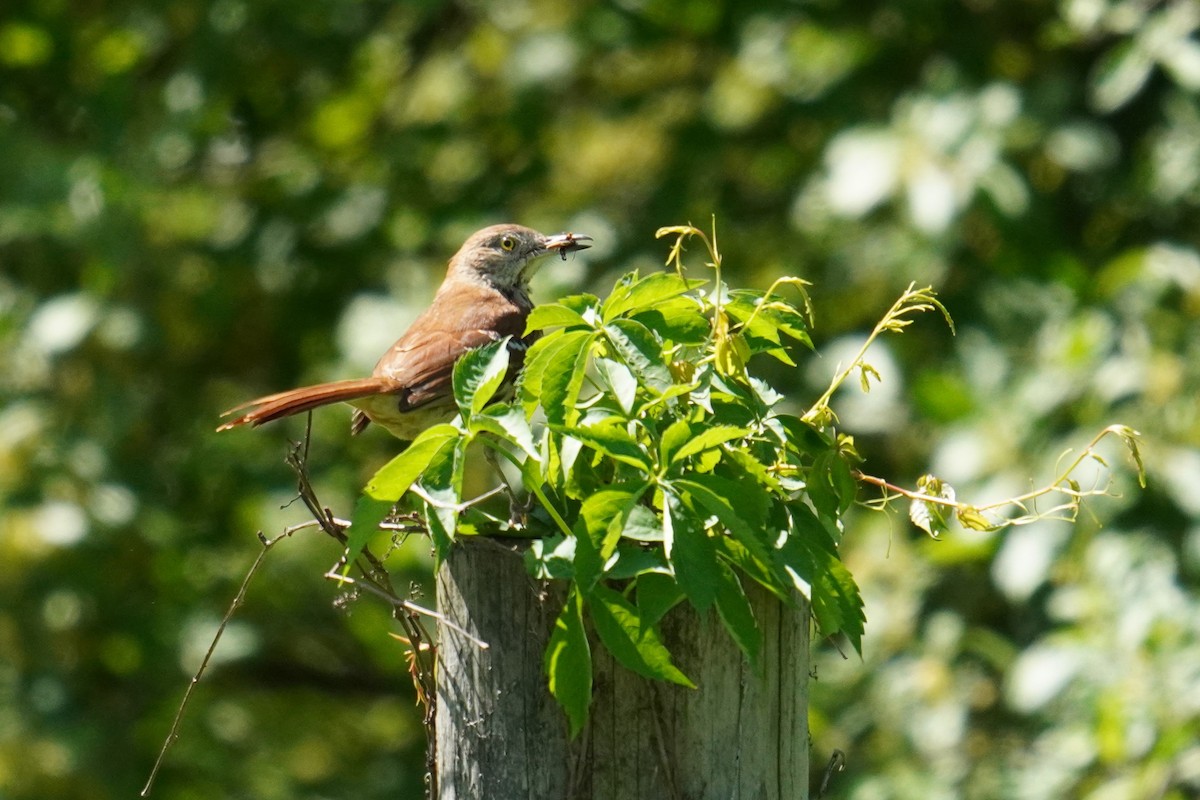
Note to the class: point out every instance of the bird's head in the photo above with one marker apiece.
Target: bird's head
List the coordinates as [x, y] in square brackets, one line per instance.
[506, 256]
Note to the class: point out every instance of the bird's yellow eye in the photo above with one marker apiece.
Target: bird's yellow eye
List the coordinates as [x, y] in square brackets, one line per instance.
[507, 243]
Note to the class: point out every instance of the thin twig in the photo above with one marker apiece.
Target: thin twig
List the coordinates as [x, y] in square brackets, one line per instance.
[837, 763]
[1063, 484]
[406, 604]
[238, 599]
[458, 507]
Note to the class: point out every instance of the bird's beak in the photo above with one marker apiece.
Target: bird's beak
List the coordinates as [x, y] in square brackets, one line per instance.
[565, 243]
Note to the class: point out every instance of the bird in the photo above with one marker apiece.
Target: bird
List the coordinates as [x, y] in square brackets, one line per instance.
[483, 298]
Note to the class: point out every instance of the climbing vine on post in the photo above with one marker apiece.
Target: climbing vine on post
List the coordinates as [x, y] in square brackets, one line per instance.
[661, 469]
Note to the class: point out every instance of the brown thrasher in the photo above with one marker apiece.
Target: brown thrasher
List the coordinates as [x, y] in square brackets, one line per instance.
[484, 298]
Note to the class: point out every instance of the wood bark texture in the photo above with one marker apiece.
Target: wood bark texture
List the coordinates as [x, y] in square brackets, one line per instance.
[741, 735]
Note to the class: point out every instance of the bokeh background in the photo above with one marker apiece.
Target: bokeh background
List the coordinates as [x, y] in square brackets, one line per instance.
[202, 201]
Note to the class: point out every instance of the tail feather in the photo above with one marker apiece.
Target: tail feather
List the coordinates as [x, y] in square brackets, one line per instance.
[295, 401]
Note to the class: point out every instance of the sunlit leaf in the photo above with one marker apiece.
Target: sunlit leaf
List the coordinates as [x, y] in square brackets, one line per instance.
[568, 663]
[636, 346]
[604, 514]
[636, 645]
[391, 481]
[767, 319]
[619, 381]
[642, 294]
[679, 321]
[970, 517]
[508, 423]
[737, 615]
[692, 554]
[707, 439]
[562, 376]
[731, 352]
[442, 483]
[610, 439]
[478, 374]
[551, 315]
[811, 559]
[657, 593]
[643, 525]
[929, 516]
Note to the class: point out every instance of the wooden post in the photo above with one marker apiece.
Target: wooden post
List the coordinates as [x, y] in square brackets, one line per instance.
[501, 736]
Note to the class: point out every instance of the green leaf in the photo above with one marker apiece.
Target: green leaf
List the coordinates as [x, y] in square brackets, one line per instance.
[739, 506]
[442, 482]
[568, 663]
[970, 517]
[734, 610]
[799, 435]
[509, 424]
[390, 483]
[585, 304]
[730, 349]
[765, 320]
[551, 315]
[929, 517]
[604, 514]
[619, 382]
[537, 360]
[632, 559]
[619, 293]
[672, 439]
[369, 513]
[393, 478]
[692, 554]
[657, 593]
[643, 525]
[634, 344]
[741, 509]
[707, 439]
[636, 645]
[742, 466]
[811, 559]
[563, 378]
[933, 518]
[831, 484]
[478, 374]
[769, 575]
[551, 557]
[545, 358]
[610, 439]
[587, 564]
[633, 295]
[844, 483]
[679, 321]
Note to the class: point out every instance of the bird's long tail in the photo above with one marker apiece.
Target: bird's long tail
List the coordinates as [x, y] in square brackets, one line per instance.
[294, 401]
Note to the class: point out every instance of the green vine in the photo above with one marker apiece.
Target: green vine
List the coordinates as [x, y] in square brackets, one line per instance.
[664, 470]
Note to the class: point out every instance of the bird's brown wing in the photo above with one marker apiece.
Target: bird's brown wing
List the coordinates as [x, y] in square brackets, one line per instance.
[423, 360]
[425, 366]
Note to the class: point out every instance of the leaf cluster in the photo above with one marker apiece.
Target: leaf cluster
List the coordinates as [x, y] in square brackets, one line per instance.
[663, 470]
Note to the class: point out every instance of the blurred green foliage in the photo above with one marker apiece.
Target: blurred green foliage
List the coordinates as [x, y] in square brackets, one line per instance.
[201, 202]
